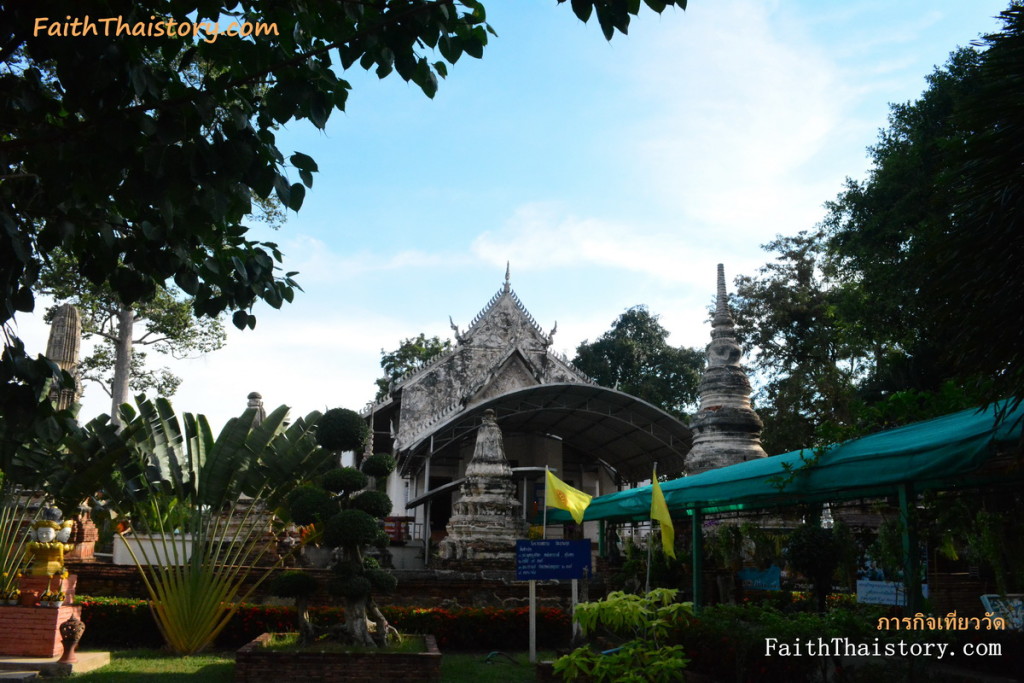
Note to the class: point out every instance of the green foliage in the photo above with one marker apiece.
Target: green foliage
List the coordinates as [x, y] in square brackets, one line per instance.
[105, 144]
[634, 356]
[374, 503]
[344, 480]
[723, 545]
[168, 327]
[342, 429]
[634, 661]
[293, 584]
[351, 528]
[194, 600]
[310, 504]
[381, 581]
[728, 642]
[411, 354]
[357, 525]
[884, 312]
[666, 572]
[646, 623]
[379, 465]
[815, 553]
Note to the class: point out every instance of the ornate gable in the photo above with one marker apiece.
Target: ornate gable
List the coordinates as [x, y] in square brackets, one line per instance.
[503, 349]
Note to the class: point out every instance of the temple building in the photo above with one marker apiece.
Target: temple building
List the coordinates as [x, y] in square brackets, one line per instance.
[548, 414]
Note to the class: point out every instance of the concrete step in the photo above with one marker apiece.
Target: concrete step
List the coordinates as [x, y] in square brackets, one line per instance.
[49, 666]
[19, 675]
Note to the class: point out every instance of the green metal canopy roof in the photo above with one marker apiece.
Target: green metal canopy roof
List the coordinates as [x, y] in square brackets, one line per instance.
[938, 453]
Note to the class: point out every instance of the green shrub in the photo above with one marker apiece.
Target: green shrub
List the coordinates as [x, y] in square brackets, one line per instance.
[341, 429]
[379, 465]
[344, 480]
[351, 527]
[375, 503]
[644, 625]
[310, 504]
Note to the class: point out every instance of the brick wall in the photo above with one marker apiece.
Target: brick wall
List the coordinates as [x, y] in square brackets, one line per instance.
[32, 631]
[254, 664]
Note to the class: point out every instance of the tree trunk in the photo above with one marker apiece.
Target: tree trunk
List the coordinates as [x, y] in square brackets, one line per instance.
[122, 361]
[385, 631]
[355, 623]
[306, 632]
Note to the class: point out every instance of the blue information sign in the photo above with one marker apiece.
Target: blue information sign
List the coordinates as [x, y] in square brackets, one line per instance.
[552, 560]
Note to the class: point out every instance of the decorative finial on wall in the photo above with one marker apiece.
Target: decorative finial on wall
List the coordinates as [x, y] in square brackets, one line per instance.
[508, 283]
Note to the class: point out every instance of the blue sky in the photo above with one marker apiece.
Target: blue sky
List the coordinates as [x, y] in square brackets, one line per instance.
[607, 174]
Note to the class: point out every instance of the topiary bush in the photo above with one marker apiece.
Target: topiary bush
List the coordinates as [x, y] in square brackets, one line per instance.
[341, 429]
[299, 585]
[356, 524]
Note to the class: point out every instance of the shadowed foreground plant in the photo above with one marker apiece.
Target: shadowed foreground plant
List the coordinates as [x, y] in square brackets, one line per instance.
[15, 519]
[645, 623]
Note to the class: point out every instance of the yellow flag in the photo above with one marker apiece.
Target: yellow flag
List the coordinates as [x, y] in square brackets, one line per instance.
[659, 511]
[564, 497]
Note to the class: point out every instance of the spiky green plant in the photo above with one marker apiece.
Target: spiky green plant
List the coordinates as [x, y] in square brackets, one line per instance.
[15, 519]
[228, 487]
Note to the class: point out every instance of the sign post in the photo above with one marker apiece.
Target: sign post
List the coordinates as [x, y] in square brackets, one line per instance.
[550, 560]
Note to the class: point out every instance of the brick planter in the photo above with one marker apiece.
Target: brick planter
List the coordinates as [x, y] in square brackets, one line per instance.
[255, 664]
[32, 631]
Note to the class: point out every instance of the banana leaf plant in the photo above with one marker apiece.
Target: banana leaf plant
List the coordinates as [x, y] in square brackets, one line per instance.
[223, 492]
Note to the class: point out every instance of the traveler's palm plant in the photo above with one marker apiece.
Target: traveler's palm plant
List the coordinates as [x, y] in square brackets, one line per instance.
[221, 493]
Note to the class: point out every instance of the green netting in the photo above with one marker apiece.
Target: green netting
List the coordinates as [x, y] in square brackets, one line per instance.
[937, 453]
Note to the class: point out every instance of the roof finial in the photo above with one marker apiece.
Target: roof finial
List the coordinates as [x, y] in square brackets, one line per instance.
[508, 284]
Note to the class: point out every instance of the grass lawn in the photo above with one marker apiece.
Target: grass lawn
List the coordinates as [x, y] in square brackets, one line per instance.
[160, 667]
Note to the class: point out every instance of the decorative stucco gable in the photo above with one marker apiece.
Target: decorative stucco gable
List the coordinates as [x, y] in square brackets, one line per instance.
[503, 349]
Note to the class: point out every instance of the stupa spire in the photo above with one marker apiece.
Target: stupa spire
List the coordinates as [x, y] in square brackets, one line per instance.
[62, 348]
[726, 430]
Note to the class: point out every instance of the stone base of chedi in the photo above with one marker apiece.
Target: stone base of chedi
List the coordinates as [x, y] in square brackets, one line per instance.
[486, 522]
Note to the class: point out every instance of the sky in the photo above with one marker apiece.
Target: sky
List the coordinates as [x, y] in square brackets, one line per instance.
[606, 174]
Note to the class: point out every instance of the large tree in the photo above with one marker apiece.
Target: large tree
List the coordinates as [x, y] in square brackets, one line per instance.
[114, 152]
[933, 236]
[634, 356]
[411, 354]
[904, 303]
[163, 322]
[805, 356]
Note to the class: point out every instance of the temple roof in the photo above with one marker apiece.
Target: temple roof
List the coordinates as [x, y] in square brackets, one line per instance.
[502, 350]
[625, 433]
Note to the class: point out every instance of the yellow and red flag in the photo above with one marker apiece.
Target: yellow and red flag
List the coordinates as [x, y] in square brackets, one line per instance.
[659, 511]
[560, 495]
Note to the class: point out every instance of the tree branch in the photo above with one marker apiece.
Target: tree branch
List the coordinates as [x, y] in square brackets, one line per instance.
[70, 131]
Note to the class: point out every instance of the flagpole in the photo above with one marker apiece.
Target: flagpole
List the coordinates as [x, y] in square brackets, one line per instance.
[544, 533]
[650, 535]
